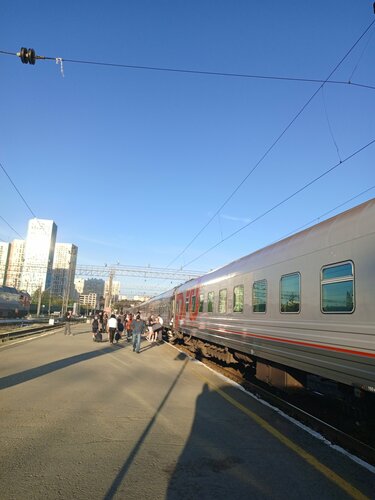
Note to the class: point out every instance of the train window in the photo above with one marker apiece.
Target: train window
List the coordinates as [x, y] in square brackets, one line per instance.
[238, 299]
[290, 293]
[193, 302]
[337, 288]
[201, 302]
[223, 301]
[187, 304]
[260, 296]
[210, 302]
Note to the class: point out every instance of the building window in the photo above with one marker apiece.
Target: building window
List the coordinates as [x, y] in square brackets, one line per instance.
[337, 288]
[201, 302]
[210, 302]
[290, 293]
[223, 301]
[260, 296]
[238, 294]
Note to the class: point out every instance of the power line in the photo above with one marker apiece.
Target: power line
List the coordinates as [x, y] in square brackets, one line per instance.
[23, 199]
[18, 191]
[11, 227]
[282, 202]
[196, 72]
[272, 145]
[325, 213]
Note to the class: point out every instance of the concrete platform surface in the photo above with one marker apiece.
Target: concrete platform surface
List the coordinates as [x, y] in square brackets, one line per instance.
[85, 420]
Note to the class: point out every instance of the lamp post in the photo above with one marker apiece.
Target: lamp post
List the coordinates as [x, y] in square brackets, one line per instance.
[39, 301]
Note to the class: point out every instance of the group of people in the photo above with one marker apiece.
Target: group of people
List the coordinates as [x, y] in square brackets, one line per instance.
[128, 327]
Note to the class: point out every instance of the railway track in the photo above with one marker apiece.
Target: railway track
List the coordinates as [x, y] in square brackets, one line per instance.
[301, 409]
[7, 335]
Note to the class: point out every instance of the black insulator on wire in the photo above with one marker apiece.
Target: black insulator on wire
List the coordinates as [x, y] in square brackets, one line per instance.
[27, 56]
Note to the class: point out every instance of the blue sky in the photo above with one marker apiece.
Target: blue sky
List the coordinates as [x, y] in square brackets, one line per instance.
[132, 163]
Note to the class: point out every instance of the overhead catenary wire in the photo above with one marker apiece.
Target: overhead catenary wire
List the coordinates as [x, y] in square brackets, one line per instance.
[11, 227]
[271, 147]
[282, 202]
[317, 219]
[18, 191]
[329, 124]
[197, 72]
[21, 196]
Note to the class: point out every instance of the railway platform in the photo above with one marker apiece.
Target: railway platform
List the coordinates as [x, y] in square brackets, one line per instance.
[86, 420]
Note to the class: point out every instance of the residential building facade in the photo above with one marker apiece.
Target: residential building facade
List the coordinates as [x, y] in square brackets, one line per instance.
[39, 251]
[15, 263]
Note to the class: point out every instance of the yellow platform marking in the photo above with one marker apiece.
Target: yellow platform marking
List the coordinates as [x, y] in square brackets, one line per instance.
[332, 476]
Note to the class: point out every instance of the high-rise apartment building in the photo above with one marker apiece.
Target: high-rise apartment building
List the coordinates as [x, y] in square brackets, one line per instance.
[115, 290]
[90, 300]
[4, 252]
[64, 269]
[15, 263]
[39, 250]
[79, 285]
[94, 285]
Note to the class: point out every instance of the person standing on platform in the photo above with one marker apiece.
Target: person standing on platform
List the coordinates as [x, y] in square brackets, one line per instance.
[112, 327]
[150, 334]
[68, 317]
[159, 335]
[138, 327]
[129, 321]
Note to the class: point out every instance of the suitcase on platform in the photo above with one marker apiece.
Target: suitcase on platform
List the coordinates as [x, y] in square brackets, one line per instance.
[98, 337]
[117, 336]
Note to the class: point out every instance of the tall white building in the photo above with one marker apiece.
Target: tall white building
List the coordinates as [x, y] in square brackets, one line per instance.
[90, 299]
[4, 252]
[79, 285]
[15, 263]
[39, 250]
[64, 269]
[115, 292]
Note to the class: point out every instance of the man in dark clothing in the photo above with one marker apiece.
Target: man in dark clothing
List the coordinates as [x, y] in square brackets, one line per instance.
[139, 327]
[68, 317]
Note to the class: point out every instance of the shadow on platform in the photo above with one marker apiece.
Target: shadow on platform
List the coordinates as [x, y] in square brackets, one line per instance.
[39, 371]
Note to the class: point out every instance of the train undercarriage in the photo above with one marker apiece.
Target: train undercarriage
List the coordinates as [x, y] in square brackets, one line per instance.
[354, 406]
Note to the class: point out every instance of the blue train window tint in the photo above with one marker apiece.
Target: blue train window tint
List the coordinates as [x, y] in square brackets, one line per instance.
[210, 302]
[290, 293]
[238, 298]
[338, 297]
[223, 301]
[337, 288]
[260, 296]
[201, 302]
[339, 271]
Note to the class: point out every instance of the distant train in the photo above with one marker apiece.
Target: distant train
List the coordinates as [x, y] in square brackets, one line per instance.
[298, 313]
[13, 304]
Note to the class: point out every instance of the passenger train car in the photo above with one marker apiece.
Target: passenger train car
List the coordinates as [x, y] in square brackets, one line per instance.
[299, 313]
[13, 304]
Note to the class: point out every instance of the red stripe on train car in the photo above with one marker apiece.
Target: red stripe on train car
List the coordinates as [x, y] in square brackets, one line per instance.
[298, 342]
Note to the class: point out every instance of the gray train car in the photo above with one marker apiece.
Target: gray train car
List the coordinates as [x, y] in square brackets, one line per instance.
[306, 303]
[13, 304]
[162, 305]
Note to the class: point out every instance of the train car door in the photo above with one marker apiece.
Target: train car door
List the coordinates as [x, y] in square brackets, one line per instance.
[180, 309]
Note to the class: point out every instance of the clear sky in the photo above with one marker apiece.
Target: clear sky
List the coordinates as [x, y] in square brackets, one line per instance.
[132, 163]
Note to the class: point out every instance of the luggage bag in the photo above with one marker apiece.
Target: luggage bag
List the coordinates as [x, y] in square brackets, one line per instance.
[98, 337]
